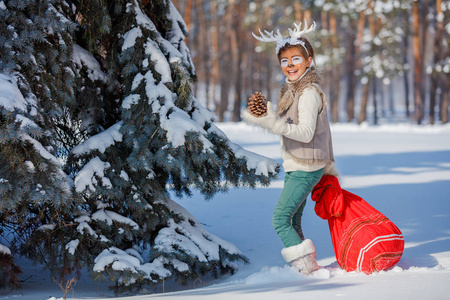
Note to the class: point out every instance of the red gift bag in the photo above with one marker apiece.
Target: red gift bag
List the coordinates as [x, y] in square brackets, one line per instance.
[364, 240]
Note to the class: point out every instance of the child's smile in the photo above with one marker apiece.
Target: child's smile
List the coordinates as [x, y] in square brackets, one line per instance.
[292, 72]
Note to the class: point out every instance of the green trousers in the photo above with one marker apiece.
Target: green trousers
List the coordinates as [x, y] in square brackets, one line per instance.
[288, 212]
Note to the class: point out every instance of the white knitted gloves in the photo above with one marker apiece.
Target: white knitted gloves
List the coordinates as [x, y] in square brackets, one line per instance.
[269, 121]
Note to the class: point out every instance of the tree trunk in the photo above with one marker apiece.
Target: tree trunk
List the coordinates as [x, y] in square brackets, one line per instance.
[226, 66]
[374, 99]
[298, 11]
[222, 107]
[205, 49]
[336, 73]
[350, 60]
[444, 105]
[418, 101]
[405, 63]
[364, 100]
[358, 64]
[187, 15]
[391, 98]
[434, 84]
[423, 51]
[215, 65]
[238, 12]
[194, 43]
[269, 83]
[327, 84]
[366, 90]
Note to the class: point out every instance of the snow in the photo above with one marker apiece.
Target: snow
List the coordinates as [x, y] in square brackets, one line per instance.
[130, 38]
[161, 64]
[177, 36]
[142, 19]
[261, 164]
[83, 58]
[30, 166]
[25, 122]
[100, 141]
[86, 177]
[400, 169]
[109, 217]
[10, 96]
[4, 250]
[177, 124]
[47, 227]
[119, 259]
[40, 149]
[194, 239]
[133, 98]
[72, 246]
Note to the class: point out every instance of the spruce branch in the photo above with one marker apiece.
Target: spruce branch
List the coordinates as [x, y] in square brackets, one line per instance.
[67, 286]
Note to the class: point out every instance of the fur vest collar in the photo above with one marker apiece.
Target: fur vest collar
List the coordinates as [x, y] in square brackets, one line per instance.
[294, 89]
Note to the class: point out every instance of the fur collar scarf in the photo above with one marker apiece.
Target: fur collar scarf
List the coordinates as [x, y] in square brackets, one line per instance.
[290, 90]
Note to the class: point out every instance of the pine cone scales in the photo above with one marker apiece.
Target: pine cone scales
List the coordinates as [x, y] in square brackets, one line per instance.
[257, 104]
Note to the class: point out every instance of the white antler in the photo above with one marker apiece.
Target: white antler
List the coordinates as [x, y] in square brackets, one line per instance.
[269, 37]
[297, 32]
[293, 38]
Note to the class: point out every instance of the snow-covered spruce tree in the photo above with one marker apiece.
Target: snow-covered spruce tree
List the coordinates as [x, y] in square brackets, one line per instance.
[129, 229]
[35, 84]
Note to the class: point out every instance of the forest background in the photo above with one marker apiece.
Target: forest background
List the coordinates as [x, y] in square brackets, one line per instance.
[379, 59]
[99, 126]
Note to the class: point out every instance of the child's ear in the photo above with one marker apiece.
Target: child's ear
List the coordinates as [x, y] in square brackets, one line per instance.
[309, 61]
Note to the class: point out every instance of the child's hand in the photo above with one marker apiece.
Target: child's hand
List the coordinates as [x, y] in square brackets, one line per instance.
[268, 121]
[265, 121]
[257, 104]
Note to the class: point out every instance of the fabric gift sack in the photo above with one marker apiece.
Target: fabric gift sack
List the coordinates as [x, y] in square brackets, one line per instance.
[364, 240]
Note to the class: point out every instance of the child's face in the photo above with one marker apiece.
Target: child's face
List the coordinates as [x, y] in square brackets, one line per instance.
[293, 63]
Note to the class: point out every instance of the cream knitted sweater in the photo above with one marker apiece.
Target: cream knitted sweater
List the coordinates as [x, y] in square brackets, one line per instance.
[309, 105]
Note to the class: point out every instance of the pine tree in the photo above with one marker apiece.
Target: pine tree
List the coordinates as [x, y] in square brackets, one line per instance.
[151, 137]
[108, 102]
[35, 85]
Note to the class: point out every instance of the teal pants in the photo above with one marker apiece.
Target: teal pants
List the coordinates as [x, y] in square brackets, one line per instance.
[288, 212]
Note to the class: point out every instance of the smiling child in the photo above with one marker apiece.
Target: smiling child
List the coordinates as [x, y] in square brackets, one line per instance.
[301, 120]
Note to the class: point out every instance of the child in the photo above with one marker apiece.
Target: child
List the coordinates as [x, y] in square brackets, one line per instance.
[302, 122]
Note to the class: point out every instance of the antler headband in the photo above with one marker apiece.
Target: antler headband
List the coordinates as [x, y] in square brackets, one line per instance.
[293, 39]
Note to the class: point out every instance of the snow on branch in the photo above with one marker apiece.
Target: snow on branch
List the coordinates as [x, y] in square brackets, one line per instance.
[109, 217]
[177, 124]
[141, 18]
[129, 38]
[4, 250]
[82, 57]
[72, 246]
[118, 259]
[261, 164]
[86, 177]
[161, 64]
[190, 236]
[10, 96]
[100, 141]
[130, 260]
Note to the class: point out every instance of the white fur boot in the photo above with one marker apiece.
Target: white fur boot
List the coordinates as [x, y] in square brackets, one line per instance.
[302, 257]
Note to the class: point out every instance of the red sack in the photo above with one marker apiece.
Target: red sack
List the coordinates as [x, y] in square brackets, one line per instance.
[364, 240]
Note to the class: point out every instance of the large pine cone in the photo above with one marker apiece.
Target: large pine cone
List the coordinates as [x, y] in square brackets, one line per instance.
[257, 104]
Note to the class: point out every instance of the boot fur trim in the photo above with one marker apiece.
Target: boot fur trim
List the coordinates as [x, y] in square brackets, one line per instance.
[291, 253]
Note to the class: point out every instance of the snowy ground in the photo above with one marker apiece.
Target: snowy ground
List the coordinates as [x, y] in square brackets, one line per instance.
[401, 170]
